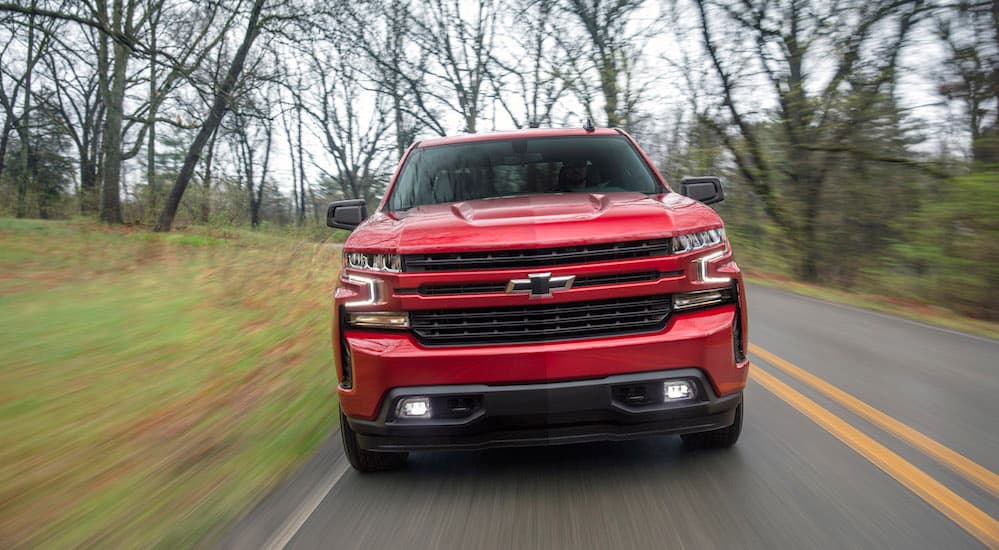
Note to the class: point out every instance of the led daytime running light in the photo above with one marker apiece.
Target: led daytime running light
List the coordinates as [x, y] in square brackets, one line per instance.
[702, 268]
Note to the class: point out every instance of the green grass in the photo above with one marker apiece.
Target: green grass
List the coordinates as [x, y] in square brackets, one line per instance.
[152, 387]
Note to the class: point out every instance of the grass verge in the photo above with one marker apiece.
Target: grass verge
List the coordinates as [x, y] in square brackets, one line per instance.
[153, 386]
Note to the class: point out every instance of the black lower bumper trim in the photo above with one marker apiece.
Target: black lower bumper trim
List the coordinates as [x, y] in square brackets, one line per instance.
[548, 413]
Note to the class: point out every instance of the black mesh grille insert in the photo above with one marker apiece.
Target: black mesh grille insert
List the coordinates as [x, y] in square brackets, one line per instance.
[470, 288]
[536, 257]
[541, 323]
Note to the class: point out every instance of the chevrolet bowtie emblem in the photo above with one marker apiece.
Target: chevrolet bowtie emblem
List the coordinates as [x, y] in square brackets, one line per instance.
[540, 285]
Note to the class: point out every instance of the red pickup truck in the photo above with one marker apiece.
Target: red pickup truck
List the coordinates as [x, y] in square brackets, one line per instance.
[535, 287]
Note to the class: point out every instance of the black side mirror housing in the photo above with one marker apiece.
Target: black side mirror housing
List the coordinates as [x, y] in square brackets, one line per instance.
[707, 189]
[346, 214]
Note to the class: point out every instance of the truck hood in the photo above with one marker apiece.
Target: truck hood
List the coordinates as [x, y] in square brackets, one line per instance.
[532, 221]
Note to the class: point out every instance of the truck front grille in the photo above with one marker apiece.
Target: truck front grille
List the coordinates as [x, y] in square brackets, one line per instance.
[541, 323]
[536, 257]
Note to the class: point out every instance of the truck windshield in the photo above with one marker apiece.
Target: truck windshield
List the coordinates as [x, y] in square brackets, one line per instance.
[499, 168]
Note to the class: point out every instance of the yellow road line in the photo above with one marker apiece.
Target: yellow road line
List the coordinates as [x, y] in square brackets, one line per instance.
[970, 470]
[976, 522]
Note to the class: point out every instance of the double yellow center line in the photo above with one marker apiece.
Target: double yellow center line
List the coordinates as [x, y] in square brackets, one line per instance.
[979, 524]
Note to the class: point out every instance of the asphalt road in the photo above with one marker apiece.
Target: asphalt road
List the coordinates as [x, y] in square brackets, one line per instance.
[798, 478]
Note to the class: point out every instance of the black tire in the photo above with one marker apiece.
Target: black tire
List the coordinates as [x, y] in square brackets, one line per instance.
[717, 439]
[367, 461]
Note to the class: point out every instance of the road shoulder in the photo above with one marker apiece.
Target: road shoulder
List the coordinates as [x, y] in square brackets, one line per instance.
[273, 518]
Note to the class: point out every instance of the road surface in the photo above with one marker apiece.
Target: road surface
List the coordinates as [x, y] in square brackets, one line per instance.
[861, 431]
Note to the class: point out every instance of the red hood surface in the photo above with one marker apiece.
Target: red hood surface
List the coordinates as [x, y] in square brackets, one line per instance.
[532, 221]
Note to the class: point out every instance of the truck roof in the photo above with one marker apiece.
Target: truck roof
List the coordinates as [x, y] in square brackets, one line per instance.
[515, 134]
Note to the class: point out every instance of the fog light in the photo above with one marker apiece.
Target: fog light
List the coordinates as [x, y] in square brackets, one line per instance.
[691, 300]
[678, 390]
[378, 319]
[414, 407]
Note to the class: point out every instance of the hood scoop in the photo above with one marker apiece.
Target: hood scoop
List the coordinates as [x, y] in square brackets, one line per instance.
[560, 205]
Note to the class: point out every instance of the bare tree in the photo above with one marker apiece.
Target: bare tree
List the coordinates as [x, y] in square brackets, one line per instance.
[130, 30]
[529, 79]
[122, 20]
[17, 92]
[252, 133]
[154, 24]
[219, 106]
[116, 20]
[292, 122]
[460, 45]
[287, 123]
[79, 107]
[194, 33]
[354, 142]
[778, 39]
[970, 72]
[395, 64]
[608, 50]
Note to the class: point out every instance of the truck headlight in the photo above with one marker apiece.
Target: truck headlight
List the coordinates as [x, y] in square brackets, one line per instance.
[695, 241]
[391, 263]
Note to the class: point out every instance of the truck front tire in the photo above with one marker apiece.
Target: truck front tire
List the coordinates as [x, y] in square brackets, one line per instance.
[716, 439]
[367, 461]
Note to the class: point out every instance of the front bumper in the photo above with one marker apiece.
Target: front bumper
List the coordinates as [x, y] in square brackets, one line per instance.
[383, 361]
[546, 413]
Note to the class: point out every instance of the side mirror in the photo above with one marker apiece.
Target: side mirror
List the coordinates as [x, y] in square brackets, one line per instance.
[707, 189]
[346, 214]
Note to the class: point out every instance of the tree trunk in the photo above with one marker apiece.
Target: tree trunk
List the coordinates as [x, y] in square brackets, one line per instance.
[254, 211]
[808, 270]
[292, 149]
[301, 161]
[21, 210]
[89, 174]
[153, 188]
[400, 129]
[609, 87]
[24, 161]
[110, 199]
[315, 205]
[206, 204]
[90, 193]
[88, 184]
[255, 204]
[23, 132]
[4, 140]
[219, 106]
[809, 247]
